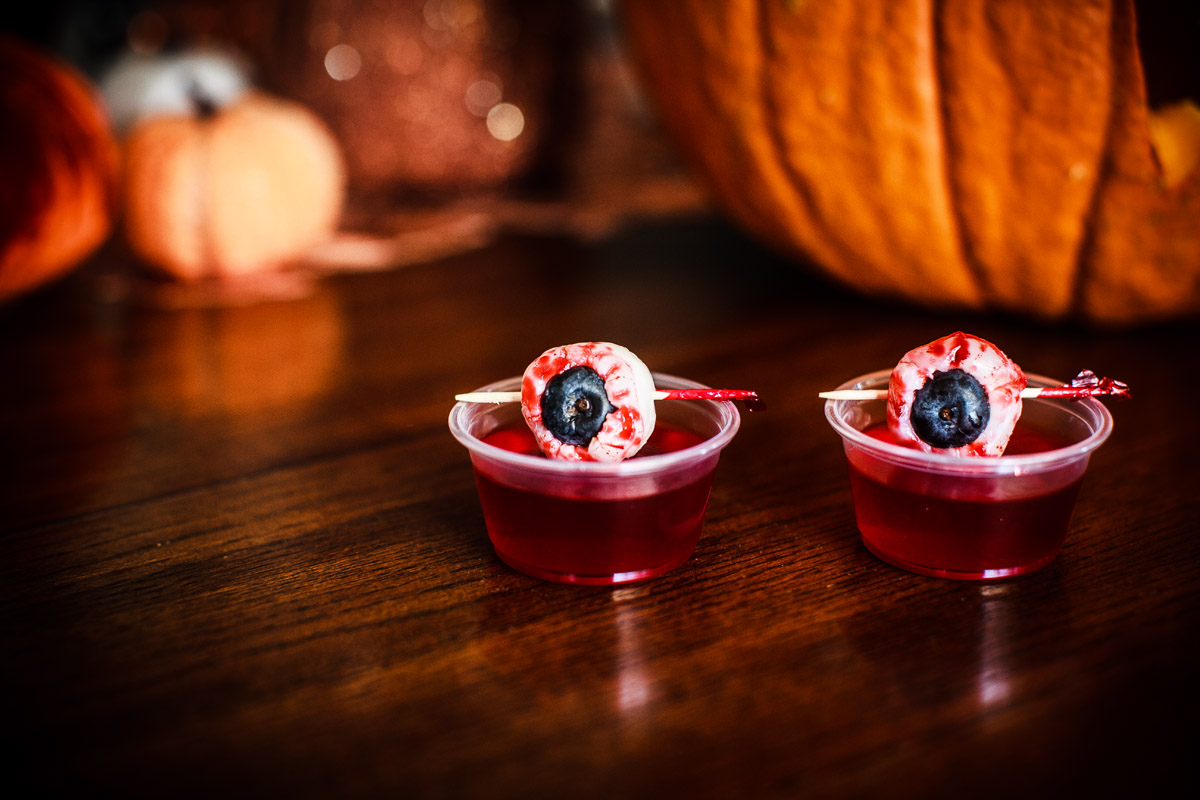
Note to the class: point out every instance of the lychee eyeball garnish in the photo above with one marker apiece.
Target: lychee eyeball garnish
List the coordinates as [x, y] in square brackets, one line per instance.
[591, 401]
[959, 395]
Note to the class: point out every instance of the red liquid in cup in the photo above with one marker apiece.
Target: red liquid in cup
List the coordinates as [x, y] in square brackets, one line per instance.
[962, 527]
[552, 535]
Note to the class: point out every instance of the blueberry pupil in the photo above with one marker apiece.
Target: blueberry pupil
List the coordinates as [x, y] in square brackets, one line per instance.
[575, 404]
[950, 410]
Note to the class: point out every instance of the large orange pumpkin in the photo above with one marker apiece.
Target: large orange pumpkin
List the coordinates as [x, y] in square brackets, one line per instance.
[58, 163]
[971, 154]
[233, 191]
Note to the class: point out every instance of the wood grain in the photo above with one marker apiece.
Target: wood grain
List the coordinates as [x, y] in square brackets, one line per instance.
[241, 553]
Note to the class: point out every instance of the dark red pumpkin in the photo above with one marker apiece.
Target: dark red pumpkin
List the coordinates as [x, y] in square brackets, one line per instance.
[59, 162]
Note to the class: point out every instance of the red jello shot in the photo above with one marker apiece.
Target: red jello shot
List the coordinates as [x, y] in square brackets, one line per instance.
[588, 522]
[968, 518]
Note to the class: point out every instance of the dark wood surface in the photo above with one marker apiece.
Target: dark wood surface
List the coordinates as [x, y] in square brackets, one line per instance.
[240, 553]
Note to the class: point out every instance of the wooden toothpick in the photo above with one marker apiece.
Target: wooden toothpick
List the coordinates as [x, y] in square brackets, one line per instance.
[743, 395]
[1085, 384]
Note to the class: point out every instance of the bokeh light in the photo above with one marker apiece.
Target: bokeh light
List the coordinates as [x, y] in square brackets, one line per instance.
[342, 62]
[505, 122]
[483, 95]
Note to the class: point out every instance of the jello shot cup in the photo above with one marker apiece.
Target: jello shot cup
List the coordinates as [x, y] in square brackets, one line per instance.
[975, 518]
[591, 522]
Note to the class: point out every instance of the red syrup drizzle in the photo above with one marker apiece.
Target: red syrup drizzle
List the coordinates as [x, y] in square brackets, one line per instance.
[749, 398]
[1087, 384]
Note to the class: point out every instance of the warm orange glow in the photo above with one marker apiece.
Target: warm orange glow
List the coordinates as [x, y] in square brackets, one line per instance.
[404, 55]
[448, 15]
[483, 94]
[261, 358]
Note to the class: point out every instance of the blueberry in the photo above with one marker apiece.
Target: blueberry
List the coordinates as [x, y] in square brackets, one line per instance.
[950, 410]
[575, 404]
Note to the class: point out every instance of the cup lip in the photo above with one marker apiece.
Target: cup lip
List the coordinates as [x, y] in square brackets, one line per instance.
[730, 420]
[1001, 465]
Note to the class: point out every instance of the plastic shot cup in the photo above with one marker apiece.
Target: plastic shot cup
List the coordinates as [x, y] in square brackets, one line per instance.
[597, 523]
[969, 518]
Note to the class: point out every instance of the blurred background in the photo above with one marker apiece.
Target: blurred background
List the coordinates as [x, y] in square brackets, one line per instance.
[454, 119]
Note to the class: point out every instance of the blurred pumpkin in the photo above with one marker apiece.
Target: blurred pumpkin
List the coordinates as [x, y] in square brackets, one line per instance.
[231, 190]
[59, 162]
[969, 154]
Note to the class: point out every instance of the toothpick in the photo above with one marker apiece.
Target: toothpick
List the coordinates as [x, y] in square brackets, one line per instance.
[488, 397]
[1085, 384]
[674, 394]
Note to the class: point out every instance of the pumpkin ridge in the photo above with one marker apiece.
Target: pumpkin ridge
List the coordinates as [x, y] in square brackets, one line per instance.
[773, 124]
[968, 255]
[1024, 141]
[832, 249]
[1105, 167]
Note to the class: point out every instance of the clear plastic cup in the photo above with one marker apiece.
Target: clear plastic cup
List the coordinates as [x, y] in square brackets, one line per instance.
[597, 523]
[969, 518]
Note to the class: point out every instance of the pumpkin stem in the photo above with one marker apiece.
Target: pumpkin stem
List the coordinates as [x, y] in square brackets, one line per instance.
[203, 104]
[1175, 136]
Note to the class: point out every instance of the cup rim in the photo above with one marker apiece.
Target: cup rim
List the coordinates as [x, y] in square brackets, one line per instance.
[835, 411]
[728, 416]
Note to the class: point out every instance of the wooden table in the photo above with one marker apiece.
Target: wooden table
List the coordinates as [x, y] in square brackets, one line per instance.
[242, 554]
